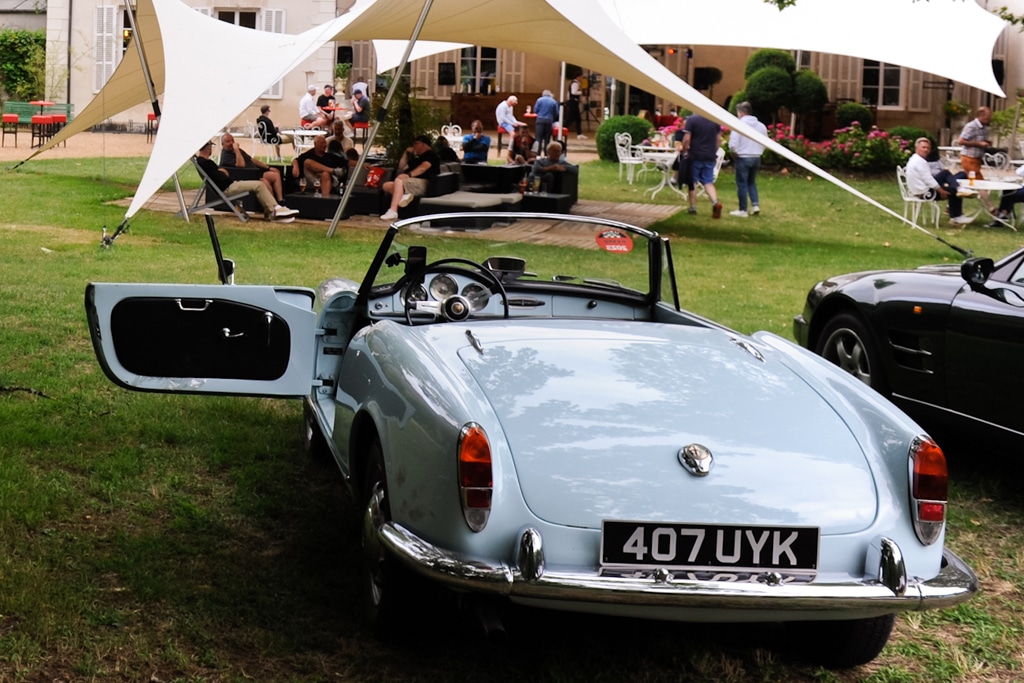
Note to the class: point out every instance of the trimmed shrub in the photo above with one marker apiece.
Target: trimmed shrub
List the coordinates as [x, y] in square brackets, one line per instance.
[849, 113]
[809, 92]
[911, 133]
[768, 89]
[769, 57]
[638, 129]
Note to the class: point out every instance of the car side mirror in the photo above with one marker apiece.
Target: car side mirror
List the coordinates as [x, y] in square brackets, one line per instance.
[975, 271]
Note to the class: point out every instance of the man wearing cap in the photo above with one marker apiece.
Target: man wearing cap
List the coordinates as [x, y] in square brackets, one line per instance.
[326, 100]
[360, 107]
[417, 166]
[309, 114]
[271, 209]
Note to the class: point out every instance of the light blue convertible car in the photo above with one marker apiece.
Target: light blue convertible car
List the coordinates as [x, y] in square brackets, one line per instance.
[565, 436]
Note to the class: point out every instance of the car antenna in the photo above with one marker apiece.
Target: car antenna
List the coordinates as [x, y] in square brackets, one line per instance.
[225, 266]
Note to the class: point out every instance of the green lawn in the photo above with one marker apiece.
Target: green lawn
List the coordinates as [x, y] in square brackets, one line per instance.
[149, 537]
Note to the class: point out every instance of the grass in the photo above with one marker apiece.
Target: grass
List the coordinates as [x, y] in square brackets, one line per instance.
[149, 537]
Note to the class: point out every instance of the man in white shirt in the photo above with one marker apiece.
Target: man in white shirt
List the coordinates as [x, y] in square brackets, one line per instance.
[505, 117]
[746, 154]
[310, 115]
[921, 182]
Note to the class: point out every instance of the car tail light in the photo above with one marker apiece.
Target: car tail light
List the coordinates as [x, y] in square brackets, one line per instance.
[475, 480]
[929, 485]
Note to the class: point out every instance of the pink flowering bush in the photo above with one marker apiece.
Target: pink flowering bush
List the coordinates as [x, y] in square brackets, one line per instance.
[852, 149]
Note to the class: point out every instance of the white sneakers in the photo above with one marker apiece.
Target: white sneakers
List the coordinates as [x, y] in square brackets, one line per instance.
[965, 192]
[755, 209]
[961, 220]
[282, 214]
[738, 213]
[389, 216]
[406, 199]
[581, 136]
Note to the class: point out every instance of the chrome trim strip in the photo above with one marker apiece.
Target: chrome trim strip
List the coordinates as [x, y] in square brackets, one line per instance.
[954, 584]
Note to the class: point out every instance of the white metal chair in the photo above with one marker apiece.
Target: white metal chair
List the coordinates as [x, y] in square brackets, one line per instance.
[260, 147]
[912, 203]
[629, 158]
[453, 132]
[719, 162]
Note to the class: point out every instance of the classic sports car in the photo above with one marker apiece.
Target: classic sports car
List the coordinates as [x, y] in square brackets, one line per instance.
[529, 432]
[941, 341]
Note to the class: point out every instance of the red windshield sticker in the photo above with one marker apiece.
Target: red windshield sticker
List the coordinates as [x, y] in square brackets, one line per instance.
[615, 241]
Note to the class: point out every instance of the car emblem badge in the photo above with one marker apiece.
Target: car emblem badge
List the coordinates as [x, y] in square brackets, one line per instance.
[696, 459]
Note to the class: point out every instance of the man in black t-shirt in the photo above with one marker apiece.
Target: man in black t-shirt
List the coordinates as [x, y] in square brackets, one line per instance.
[317, 165]
[326, 100]
[417, 166]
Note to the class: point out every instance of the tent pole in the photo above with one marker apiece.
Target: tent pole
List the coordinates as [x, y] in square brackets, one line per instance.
[561, 109]
[382, 114]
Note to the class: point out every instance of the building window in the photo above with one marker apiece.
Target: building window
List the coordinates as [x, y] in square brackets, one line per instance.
[881, 85]
[246, 18]
[478, 70]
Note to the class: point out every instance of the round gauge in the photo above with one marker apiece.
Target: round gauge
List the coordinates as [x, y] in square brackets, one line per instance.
[416, 293]
[443, 286]
[477, 295]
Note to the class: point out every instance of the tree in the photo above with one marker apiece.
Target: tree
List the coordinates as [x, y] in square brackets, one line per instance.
[810, 95]
[22, 63]
[769, 57]
[768, 90]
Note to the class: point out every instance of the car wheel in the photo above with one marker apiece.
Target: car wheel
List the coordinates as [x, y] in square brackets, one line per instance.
[841, 644]
[845, 341]
[385, 581]
[313, 443]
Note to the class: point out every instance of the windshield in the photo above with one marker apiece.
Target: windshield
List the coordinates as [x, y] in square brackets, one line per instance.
[605, 256]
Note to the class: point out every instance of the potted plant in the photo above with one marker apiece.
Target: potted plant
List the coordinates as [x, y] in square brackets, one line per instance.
[341, 72]
[955, 109]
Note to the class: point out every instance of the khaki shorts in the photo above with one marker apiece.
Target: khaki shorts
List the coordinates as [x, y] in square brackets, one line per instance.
[417, 187]
[969, 164]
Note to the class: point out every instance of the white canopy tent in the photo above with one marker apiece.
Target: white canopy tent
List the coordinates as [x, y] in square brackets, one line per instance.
[564, 30]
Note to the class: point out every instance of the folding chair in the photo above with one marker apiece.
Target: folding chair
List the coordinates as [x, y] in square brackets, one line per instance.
[222, 200]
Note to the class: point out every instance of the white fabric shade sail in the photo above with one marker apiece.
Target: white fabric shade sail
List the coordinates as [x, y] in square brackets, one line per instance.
[194, 59]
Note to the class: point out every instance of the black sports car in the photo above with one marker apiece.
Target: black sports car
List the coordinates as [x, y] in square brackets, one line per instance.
[944, 342]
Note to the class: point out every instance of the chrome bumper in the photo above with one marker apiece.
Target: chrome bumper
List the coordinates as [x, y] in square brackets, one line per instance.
[889, 591]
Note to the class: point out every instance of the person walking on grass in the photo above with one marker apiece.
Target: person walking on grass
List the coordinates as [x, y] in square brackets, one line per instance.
[746, 155]
[702, 139]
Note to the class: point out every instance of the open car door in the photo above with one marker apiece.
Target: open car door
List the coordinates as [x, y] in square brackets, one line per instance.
[204, 339]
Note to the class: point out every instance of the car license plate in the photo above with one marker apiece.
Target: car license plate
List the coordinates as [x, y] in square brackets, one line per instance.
[708, 546]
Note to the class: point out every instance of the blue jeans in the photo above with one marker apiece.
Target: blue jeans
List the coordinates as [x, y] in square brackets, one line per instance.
[746, 180]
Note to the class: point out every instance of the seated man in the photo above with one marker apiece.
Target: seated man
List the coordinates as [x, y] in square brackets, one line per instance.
[271, 209]
[505, 116]
[233, 156]
[417, 166]
[544, 168]
[319, 167]
[924, 183]
[310, 115]
[360, 107]
[520, 148]
[270, 133]
[340, 133]
[476, 145]
[444, 149]
[1002, 214]
[325, 101]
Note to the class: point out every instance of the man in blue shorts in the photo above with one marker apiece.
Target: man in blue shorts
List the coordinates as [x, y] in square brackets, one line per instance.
[701, 140]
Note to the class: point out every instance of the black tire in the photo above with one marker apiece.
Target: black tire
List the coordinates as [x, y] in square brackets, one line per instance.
[387, 586]
[846, 342]
[314, 443]
[841, 644]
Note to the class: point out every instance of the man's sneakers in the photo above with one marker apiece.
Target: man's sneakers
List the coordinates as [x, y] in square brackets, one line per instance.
[692, 211]
[739, 213]
[282, 214]
[406, 200]
[966, 192]
[389, 216]
[961, 220]
[716, 210]
[581, 136]
[754, 210]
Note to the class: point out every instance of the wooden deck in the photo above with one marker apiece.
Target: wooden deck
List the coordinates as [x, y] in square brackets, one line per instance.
[526, 231]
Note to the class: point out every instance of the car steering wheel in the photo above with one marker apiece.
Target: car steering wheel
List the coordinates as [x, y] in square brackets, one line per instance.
[456, 307]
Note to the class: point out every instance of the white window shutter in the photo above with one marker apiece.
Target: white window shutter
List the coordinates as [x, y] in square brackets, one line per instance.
[205, 11]
[105, 46]
[272, 20]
